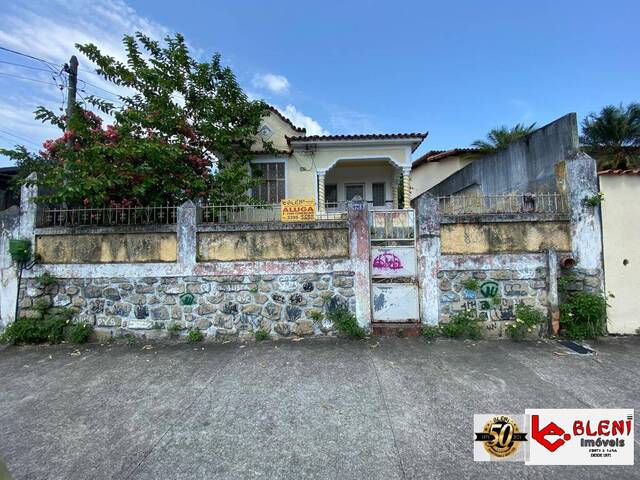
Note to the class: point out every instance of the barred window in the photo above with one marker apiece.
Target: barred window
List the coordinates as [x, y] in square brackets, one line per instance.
[272, 186]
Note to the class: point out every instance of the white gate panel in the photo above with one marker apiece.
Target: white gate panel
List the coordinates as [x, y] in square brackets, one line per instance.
[392, 262]
[395, 302]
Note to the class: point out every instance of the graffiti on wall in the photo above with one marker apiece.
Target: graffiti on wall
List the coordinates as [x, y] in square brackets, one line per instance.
[393, 261]
[488, 302]
[387, 260]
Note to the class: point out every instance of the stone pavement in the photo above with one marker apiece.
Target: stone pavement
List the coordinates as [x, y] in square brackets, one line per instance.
[336, 409]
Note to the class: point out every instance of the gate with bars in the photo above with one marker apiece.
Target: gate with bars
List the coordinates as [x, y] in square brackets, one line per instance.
[394, 283]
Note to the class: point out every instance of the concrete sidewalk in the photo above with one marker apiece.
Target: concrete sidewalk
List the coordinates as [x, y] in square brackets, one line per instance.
[335, 409]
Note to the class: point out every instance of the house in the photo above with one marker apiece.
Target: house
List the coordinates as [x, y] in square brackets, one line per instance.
[332, 169]
[434, 166]
[620, 233]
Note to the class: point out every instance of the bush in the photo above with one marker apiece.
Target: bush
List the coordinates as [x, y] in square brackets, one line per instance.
[194, 336]
[583, 315]
[463, 324]
[527, 318]
[430, 332]
[261, 335]
[80, 333]
[50, 328]
[345, 322]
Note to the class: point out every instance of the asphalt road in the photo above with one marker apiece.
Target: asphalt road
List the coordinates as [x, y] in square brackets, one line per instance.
[335, 409]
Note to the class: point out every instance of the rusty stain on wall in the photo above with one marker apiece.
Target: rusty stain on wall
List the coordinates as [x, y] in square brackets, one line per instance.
[504, 237]
[107, 248]
[273, 245]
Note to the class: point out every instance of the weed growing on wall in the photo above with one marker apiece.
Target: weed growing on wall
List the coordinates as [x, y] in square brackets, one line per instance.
[583, 315]
[527, 319]
[430, 332]
[261, 335]
[595, 200]
[463, 324]
[471, 284]
[345, 322]
[46, 280]
[80, 333]
[194, 336]
[49, 326]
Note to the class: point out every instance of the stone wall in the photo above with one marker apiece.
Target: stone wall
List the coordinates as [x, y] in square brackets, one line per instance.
[282, 305]
[492, 294]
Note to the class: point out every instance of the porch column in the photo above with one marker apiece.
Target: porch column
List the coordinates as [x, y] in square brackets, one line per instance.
[406, 183]
[321, 204]
[394, 188]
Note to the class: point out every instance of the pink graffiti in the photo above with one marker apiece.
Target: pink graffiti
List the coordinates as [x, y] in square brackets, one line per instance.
[387, 260]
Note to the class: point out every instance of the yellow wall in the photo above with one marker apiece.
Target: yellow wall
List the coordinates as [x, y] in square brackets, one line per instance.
[107, 248]
[280, 129]
[621, 234]
[273, 245]
[504, 237]
[430, 174]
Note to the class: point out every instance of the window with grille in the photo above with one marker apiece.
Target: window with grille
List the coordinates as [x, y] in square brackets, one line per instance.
[377, 189]
[272, 185]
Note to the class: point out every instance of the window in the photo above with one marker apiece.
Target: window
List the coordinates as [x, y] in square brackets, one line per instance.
[378, 194]
[331, 196]
[354, 190]
[272, 186]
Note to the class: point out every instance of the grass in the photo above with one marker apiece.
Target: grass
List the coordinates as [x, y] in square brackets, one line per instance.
[463, 324]
[195, 336]
[345, 322]
[261, 335]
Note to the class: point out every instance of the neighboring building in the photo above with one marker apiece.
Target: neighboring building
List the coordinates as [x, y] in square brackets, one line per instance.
[620, 234]
[436, 165]
[332, 169]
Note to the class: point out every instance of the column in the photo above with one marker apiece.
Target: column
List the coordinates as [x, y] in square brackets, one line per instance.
[321, 203]
[186, 232]
[359, 250]
[394, 188]
[406, 183]
[428, 253]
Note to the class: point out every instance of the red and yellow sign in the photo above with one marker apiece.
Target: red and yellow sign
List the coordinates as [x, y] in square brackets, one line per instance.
[297, 210]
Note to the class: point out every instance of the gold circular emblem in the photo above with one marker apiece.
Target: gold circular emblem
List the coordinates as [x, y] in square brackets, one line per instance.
[502, 430]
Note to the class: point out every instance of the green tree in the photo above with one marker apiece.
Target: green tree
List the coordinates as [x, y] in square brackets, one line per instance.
[184, 131]
[613, 135]
[500, 137]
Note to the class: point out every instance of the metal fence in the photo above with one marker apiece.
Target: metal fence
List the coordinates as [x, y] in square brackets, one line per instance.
[392, 225]
[504, 204]
[108, 216]
[222, 214]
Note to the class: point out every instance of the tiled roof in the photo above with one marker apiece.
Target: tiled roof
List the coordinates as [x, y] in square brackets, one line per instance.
[369, 136]
[619, 171]
[435, 155]
[275, 151]
[285, 119]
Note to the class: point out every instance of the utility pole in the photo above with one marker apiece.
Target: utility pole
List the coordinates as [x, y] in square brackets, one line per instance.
[72, 70]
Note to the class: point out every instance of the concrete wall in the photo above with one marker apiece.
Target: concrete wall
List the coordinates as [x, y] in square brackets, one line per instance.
[287, 244]
[621, 233]
[106, 247]
[504, 237]
[527, 165]
[9, 228]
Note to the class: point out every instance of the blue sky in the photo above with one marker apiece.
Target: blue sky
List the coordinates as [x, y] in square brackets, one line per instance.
[455, 69]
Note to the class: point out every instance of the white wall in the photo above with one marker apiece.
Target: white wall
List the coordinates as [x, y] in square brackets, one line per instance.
[430, 174]
[621, 238]
[368, 174]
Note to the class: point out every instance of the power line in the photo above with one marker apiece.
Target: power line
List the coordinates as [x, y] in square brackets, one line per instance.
[29, 78]
[25, 66]
[29, 56]
[18, 137]
[99, 88]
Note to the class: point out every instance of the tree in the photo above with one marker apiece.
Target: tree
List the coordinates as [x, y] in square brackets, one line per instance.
[613, 135]
[184, 132]
[500, 137]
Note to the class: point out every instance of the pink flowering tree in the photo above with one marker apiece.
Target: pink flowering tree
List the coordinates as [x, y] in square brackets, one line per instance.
[184, 132]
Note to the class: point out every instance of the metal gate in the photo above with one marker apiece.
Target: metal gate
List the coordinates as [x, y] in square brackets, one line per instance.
[394, 286]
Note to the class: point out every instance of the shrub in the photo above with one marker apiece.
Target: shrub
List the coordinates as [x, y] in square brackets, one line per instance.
[527, 318]
[463, 324]
[471, 284]
[583, 315]
[261, 335]
[194, 336]
[345, 322]
[430, 332]
[36, 330]
[80, 333]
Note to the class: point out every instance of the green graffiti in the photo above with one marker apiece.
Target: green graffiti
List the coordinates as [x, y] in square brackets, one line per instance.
[489, 289]
[186, 299]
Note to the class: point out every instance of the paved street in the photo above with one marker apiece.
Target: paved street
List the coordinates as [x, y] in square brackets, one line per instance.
[334, 409]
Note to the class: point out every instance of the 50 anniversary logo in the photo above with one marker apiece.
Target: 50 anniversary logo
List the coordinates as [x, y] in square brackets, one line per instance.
[556, 437]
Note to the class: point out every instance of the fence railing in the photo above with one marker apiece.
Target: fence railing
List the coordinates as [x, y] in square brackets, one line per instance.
[504, 204]
[392, 225]
[108, 216]
[222, 214]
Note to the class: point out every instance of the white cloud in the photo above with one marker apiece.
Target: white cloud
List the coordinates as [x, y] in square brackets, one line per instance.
[272, 82]
[299, 119]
